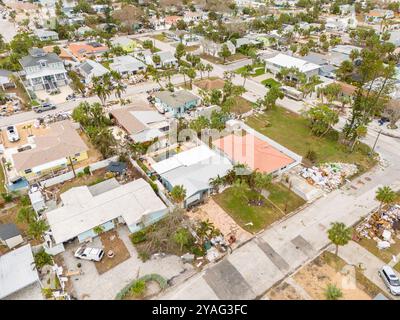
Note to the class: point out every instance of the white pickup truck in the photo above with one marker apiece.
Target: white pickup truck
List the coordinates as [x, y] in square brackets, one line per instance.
[91, 254]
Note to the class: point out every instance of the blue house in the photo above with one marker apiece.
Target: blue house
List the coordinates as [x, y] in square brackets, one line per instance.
[176, 103]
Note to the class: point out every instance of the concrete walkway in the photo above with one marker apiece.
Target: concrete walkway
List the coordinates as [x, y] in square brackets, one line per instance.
[355, 254]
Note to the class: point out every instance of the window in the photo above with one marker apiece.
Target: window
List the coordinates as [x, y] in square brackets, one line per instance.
[28, 171]
[43, 64]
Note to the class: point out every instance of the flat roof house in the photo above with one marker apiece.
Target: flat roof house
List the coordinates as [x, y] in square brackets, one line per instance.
[17, 271]
[142, 124]
[43, 71]
[46, 35]
[276, 63]
[176, 103]
[51, 152]
[126, 65]
[104, 204]
[10, 236]
[193, 169]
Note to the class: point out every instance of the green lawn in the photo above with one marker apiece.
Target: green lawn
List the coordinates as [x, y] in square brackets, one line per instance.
[386, 254]
[218, 60]
[397, 267]
[258, 70]
[2, 180]
[160, 37]
[292, 131]
[260, 216]
[271, 82]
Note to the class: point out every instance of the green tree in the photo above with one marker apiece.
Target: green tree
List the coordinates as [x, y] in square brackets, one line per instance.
[322, 119]
[339, 235]
[180, 52]
[191, 73]
[182, 237]
[199, 124]
[102, 87]
[261, 181]
[57, 50]
[209, 68]
[225, 52]
[37, 228]
[178, 194]
[385, 195]
[216, 183]
[273, 94]
[26, 215]
[42, 258]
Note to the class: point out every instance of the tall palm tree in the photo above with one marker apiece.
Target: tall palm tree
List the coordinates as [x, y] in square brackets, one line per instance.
[178, 194]
[183, 71]
[216, 183]
[385, 195]
[102, 88]
[339, 234]
[209, 68]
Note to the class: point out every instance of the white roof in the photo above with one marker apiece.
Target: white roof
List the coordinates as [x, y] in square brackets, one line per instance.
[147, 135]
[81, 211]
[148, 117]
[17, 270]
[35, 197]
[283, 60]
[185, 158]
[193, 168]
[126, 64]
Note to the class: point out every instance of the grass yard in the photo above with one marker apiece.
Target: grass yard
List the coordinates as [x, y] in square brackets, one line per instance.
[260, 216]
[241, 105]
[271, 83]
[218, 60]
[160, 37]
[385, 254]
[2, 180]
[292, 131]
[397, 267]
[191, 48]
[258, 70]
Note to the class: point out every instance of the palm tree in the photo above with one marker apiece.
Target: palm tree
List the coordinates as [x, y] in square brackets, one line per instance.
[339, 234]
[385, 195]
[209, 68]
[201, 68]
[245, 74]
[261, 181]
[37, 228]
[216, 183]
[182, 237]
[191, 73]
[102, 88]
[183, 71]
[26, 214]
[178, 194]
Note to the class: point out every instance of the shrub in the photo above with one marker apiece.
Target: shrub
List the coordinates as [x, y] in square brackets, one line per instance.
[198, 251]
[25, 201]
[86, 170]
[144, 256]
[312, 156]
[80, 174]
[154, 186]
[138, 237]
[332, 292]
[7, 197]
[42, 258]
[138, 289]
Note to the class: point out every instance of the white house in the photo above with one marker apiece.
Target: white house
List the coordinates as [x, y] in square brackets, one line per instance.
[89, 69]
[104, 204]
[46, 35]
[126, 65]
[276, 63]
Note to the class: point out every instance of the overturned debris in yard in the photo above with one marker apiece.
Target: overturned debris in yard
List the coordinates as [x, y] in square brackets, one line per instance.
[329, 176]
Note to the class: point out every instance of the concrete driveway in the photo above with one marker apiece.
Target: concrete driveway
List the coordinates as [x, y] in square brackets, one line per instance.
[90, 285]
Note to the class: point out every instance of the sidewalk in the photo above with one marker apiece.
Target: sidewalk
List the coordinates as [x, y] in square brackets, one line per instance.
[355, 254]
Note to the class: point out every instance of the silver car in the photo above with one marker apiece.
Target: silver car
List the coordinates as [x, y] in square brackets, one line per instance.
[44, 107]
[390, 279]
[12, 134]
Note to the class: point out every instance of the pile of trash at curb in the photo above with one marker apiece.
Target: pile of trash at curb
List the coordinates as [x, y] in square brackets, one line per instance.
[329, 176]
[380, 226]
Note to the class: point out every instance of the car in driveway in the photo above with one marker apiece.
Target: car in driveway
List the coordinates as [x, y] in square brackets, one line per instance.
[390, 279]
[87, 253]
[44, 107]
[12, 134]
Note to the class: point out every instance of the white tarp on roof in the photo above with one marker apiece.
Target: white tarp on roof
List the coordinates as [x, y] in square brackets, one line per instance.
[81, 211]
[147, 117]
[17, 270]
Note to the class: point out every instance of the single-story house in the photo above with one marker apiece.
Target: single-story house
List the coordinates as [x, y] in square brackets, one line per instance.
[177, 102]
[212, 48]
[258, 154]
[377, 15]
[82, 31]
[167, 59]
[142, 124]
[246, 42]
[5, 80]
[89, 69]
[104, 204]
[17, 271]
[127, 44]
[46, 35]
[82, 51]
[127, 65]
[10, 236]
[51, 152]
[276, 63]
[192, 169]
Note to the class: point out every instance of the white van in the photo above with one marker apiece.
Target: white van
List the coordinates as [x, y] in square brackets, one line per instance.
[390, 279]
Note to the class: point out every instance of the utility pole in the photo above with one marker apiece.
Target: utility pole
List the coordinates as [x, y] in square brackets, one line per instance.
[72, 166]
[376, 140]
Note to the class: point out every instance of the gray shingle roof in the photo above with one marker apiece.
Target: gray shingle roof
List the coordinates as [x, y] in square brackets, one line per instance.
[175, 99]
[35, 56]
[8, 231]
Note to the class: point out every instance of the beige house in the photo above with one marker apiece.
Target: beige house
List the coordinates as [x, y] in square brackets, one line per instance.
[60, 147]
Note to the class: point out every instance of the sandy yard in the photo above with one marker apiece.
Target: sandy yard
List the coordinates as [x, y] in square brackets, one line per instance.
[284, 291]
[24, 130]
[223, 221]
[210, 84]
[317, 275]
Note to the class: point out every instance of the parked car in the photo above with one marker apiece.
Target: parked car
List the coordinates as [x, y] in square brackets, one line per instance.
[71, 96]
[44, 107]
[87, 253]
[12, 134]
[390, 279]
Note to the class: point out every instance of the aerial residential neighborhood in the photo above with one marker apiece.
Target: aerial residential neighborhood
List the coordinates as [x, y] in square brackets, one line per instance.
[199, 150]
